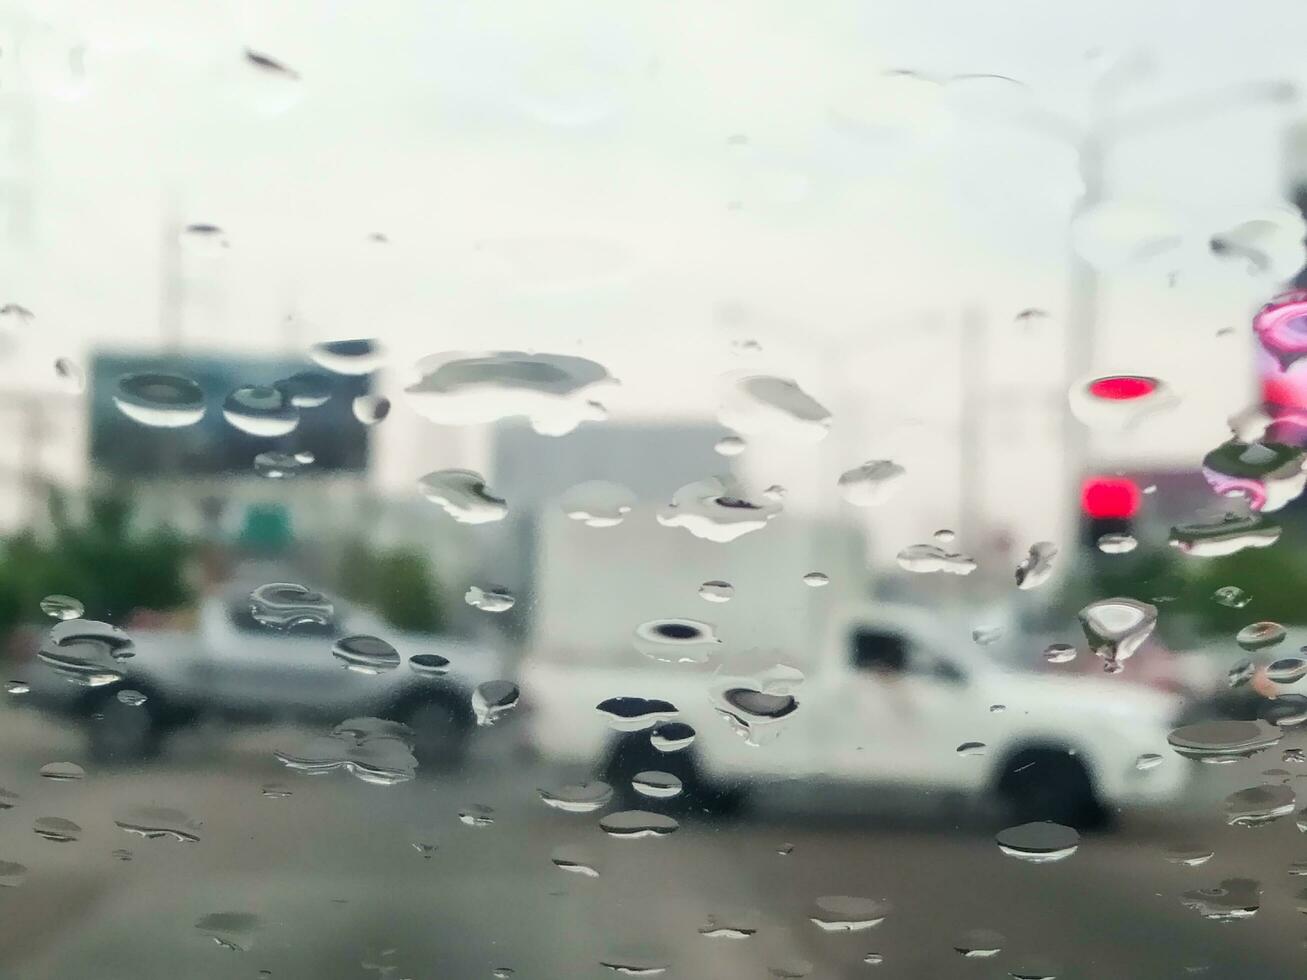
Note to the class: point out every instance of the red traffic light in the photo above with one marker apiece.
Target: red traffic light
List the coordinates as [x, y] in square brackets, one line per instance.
[1109, 497]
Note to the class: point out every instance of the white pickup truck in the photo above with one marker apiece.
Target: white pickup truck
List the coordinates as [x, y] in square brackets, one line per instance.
[232, 666]
[888, 698]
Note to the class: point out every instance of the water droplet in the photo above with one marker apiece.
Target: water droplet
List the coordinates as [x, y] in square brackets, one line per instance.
[122, 853]
[57, 829]
[268, 64]
[738, 925]
[997, 708]
[717, 510]
[926, 559]
[492, 700]
[816, 580]
[1041, 842]
[672, 736]
[597, 503]
[681, 641]
[261, 410]
[230, 930]
[637, 824]
[1224, 535]
[1279, 329]
[1117, 628]
[1188, 853]
[1034, 968]
[575, 860]
[1223, 741]
[86, 652]
[758, 707]
[62, 771]
[1148, 760]
[637, 968]
[1293, 755]
[729, 446]
[1258, 636]
[163, 401]
[374, 750]
[873, 959]
[11, 874]
[762, 403]
[980, 944]
[578, 797]
[285, 605]
[871, 484]
[656, 785]
[275, 791]
[203, 239]
[160, 823]
[477, 815]
[67, 371]
[502, 972]
[1036, 568]
[1287, 670]
[1267, 475]
[430, 664]
[790, 969]
[987, 635]
[1240, 673]
[371, 409]
[1059, 653]
[492, 600]
[971, 748]
[716, 591]
[277, 466]
[632, 714]
[8, 799]
[1117, 402]
[785, 849]
[365, 654]
[17, 687]
[61, 607]
[305, 389]
[848, 913]
[347, 356]
[463, 495]
[1289, 710]
[1117, 544]
[1258, 805]
[554, 392]
[1232, 596]
[1233, 898]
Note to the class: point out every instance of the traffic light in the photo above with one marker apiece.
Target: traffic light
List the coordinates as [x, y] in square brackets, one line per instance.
[1108, 505]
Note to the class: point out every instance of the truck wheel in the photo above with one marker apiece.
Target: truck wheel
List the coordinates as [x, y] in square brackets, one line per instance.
[1049, 784]
[440, 733]
[122, 733]
[632, 754]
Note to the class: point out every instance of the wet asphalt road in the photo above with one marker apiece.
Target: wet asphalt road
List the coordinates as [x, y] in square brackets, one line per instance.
[341, 892]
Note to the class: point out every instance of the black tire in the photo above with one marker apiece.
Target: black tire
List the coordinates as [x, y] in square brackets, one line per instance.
[441, 728]
[123, 734]
[633, 753]
[1049, 784]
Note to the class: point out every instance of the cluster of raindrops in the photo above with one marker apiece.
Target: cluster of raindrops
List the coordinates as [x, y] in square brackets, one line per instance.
[375, 750]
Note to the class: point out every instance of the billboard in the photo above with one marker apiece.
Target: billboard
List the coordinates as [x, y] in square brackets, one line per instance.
[213, 446]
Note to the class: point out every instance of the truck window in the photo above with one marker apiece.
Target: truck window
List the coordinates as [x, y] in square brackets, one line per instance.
[879, 650]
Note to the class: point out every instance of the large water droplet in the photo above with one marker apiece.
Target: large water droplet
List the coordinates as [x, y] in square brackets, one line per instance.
[12, 874]
[230, 930]
[927, 559]
[1233, 898]
[57, 829]
[261, 410]
[716, 591]
[278, 466]
[17, 687]
[1258, 636]
[672, 736]
[816, 580]
[656, 784]
[1041, 842]
[762, 403]
[1232, 596]
[1240, 673]
[376, 751]
[1223, 741]
[1188, 853]
[492, 700]
[347, 356]
[1287, 670]
[575, 860]
[872, 483]
[63, 771]
[1036, 568]
[717, 510]
[1224, 535]
[61, 607]
[756, 708]
[86, 652]
[637, 824]
[1258, 805]
[632, 714]
[307, 389]
[848, 913]
[160, 823]
[370, 409]
[463, 495]
[1059, 653]
[1267, 475]
[1117, 628]
[365, 654]
[553, 392]
[285, 605]
[577, 797]
[477, 815]
[675, 640]
[597, 503]
[1117, 544]
[979, 944]
[164, 401]
[492, 600]
[1117, 402]
[428, 664]
[1148, 760]
[736, 925]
